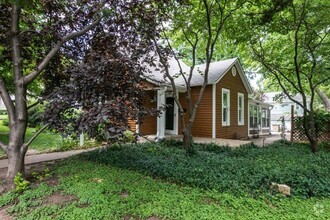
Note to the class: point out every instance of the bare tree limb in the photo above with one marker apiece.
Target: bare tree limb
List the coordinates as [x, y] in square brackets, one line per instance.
[272, 68]
[296, 48]
[33, 104]
[279, 80]
[7, 100]
[192, 67]
[26, 145]
[163, 61]
[324, 98]
[3, 146]
[30, 77]
[321, 82]
[29, 31]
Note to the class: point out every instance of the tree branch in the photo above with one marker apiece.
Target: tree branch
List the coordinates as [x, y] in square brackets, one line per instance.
[3, 146]
[30, 77]
[278, 79]
[270, 67]
[321, 82]
[26, 145]
[33, 104]
[30, 31]
[7, 100]
[296, 47]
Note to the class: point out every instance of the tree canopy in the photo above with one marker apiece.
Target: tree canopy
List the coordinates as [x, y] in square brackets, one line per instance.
[54, 46]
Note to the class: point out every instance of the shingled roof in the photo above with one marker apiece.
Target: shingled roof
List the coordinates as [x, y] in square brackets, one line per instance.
[216, 72]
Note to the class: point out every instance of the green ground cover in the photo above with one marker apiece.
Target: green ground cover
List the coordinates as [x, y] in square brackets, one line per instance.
[248, 169]
[150, 180]
[46, 142]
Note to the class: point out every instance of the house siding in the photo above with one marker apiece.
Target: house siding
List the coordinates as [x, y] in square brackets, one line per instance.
[202, 126]
[235, 85]
[132, 124]
[149, 123]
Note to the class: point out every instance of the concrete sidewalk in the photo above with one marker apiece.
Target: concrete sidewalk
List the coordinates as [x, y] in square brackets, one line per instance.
[37, 158]
[261, 141]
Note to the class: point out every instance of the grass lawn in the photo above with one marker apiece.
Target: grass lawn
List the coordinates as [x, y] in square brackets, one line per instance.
[153, 182]
[45, 142]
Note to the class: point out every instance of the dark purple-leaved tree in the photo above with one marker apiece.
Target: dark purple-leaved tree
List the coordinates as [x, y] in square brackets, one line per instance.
[86, 53]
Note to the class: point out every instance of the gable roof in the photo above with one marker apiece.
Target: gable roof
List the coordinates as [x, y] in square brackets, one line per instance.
[216, 71]
[269, 97]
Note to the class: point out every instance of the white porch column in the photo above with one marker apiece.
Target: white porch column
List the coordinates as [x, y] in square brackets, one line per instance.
[161, 101]
[270, 120]
[214, 108]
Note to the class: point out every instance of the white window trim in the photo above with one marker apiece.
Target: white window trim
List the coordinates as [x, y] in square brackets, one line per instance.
[267, 118]
[238, 97]
[228, 103]
[214, 110]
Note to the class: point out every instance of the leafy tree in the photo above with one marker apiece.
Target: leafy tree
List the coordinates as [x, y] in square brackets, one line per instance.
[324, 98]
[196, 26]
[293, 49]
[40, 39]
[103, 91]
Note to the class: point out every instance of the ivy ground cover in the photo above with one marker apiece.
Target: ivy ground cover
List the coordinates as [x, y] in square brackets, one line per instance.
[136, 182]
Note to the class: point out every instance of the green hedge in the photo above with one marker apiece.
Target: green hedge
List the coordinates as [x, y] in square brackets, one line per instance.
[247, 169]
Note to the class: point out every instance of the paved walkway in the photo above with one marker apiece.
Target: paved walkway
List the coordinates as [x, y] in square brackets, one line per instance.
[261, 141]
[37, 158]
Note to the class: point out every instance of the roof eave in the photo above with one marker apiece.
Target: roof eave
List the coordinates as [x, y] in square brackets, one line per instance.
[241, 73]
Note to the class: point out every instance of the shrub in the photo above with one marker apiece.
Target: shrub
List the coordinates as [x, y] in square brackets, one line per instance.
[5, 122]
[68, 143]
[246, 169]
[128, 136]
[35, 116]
[321, 118]
[20, 183]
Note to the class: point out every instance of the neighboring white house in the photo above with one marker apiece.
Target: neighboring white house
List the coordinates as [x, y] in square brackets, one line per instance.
[2, 105]
[282, 108]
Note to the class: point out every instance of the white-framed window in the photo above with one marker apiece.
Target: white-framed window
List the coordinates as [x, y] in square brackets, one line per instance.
[225, 107]
[265, 117]
[253, 116]
[240, 108]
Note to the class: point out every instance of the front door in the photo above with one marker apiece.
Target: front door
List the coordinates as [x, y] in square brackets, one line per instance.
[169, 124]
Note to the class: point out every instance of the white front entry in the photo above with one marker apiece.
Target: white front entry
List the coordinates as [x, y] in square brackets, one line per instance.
[167, 121]
[161, 118]
[171, 115]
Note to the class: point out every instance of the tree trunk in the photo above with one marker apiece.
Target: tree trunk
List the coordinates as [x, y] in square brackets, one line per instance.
[313, 135]
[188, 141]
[314, 146]
[16, 149]
[18, 115]
[310, 131]
[15, 164]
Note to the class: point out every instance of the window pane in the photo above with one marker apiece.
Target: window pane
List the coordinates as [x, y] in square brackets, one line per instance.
[225, 100]
[224, 117]
[255, 111]
[251, 122]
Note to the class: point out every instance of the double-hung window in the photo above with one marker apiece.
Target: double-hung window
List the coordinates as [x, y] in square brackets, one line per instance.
[225, 107]
[240, 109]
[265, 118]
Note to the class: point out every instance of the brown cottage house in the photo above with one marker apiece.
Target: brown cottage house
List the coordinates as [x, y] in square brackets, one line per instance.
[225, 108]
